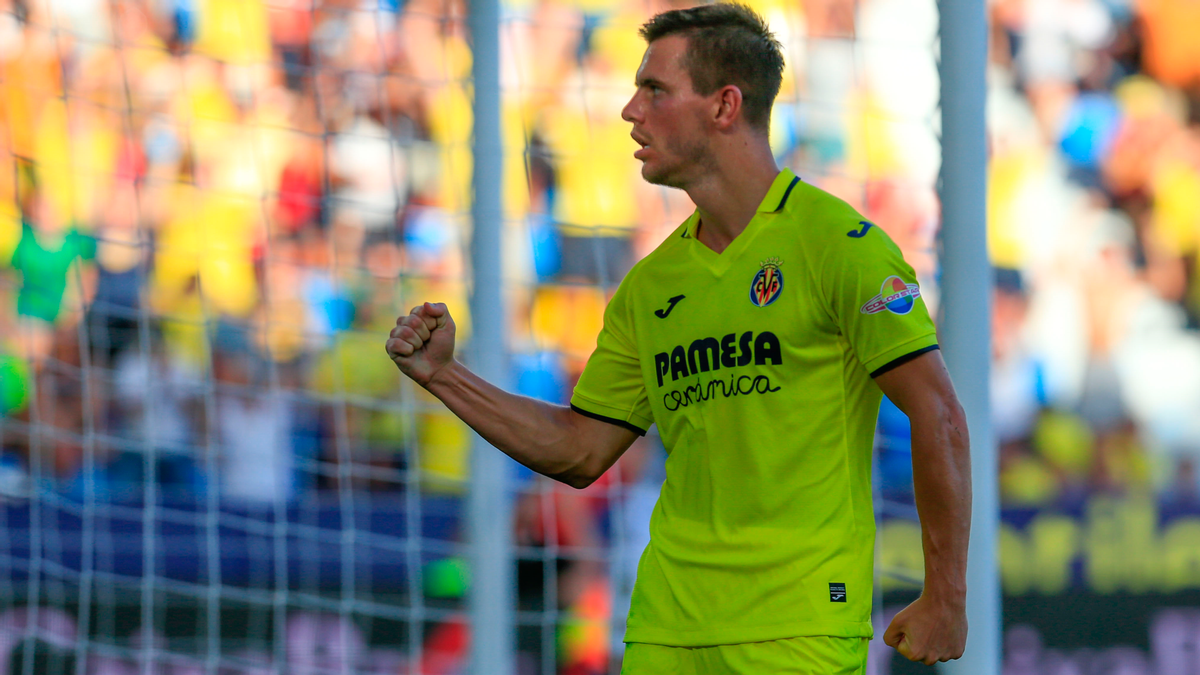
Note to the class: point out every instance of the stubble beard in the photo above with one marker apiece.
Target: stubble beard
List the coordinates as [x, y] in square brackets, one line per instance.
[694, 160]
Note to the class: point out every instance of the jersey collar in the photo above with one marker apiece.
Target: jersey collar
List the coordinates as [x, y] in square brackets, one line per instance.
[781, 189]
[774, 201]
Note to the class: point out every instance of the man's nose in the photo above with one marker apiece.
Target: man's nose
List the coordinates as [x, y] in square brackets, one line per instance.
[629, 112]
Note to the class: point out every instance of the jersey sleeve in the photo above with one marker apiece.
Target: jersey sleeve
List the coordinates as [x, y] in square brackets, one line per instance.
[611, 388]
[875, 299]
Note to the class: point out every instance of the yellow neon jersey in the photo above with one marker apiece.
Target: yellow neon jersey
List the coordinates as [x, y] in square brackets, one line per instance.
[756, 365]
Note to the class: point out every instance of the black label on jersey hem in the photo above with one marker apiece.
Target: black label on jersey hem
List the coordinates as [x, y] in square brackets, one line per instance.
[837, 592]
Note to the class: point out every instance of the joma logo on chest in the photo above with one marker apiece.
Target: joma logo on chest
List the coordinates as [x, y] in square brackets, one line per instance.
[710, 353]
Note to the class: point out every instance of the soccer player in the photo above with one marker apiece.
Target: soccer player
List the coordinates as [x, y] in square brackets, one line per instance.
[759, 337]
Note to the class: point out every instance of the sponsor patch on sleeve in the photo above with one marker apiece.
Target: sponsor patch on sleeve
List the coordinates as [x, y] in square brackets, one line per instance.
[895, 296]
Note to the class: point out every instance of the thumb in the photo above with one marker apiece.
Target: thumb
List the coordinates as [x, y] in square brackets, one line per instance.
[438, 311]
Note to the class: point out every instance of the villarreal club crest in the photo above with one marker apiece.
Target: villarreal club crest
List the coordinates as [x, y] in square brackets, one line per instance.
[767, 284]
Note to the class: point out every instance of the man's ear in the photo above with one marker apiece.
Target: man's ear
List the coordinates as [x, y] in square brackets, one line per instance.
[728, 106]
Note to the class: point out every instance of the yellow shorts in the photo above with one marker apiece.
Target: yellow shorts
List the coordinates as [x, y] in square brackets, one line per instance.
[819, 655]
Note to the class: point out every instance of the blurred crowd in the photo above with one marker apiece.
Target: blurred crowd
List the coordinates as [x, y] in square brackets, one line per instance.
[211, 211]
[1094, 220]
[1094, 234]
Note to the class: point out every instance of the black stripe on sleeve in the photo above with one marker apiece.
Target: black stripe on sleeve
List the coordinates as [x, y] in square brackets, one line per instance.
[902, 360]
[611, 420]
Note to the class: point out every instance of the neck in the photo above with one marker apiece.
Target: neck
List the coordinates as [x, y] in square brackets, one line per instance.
[728, 197]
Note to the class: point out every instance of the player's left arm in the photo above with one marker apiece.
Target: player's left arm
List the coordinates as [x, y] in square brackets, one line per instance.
[934, 627]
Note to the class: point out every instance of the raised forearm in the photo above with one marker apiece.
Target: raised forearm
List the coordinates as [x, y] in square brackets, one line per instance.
[539, 435]
[942, 483]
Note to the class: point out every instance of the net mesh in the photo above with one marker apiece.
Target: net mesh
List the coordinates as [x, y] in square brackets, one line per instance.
[211, 213]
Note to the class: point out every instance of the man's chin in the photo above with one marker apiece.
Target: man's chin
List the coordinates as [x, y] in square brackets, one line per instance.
[657, 177]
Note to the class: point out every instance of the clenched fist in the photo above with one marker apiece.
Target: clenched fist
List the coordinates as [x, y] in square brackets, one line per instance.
[422, 343]
[928, 631]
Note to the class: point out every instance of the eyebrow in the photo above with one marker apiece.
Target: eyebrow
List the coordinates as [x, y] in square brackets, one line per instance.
[648, 82]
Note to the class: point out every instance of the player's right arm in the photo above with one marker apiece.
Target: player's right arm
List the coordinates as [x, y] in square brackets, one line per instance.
[553, 440]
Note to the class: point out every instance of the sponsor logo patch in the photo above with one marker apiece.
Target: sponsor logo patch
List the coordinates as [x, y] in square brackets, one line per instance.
[767, 283]
[837, 592]
[895, 296]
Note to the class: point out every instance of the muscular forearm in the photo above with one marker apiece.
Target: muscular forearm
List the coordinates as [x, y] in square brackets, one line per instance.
[934, 627]
[537, 434]
[942, 483]
[552, 440]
